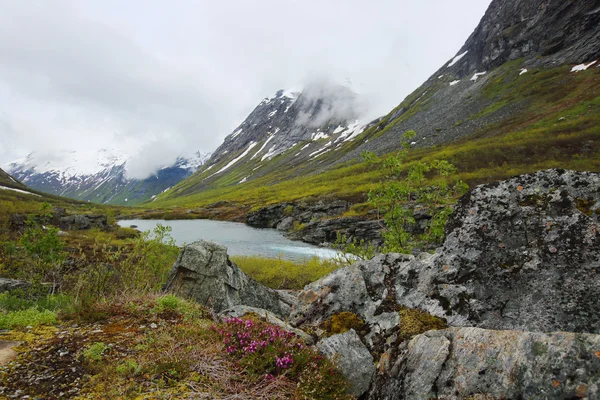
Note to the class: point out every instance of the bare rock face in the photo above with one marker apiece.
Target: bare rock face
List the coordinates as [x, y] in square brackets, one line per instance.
[352, 357]
[460, 363]
[204, 273]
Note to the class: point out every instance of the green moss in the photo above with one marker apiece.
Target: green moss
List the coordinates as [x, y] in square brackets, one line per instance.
[343, 322]
[289, 210]
[414, 322]
[585, 206]
[540, 348]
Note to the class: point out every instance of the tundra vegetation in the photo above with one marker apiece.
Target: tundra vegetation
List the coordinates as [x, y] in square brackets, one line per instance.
[93, 303]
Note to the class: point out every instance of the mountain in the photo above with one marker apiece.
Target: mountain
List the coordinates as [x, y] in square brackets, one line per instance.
[521, 95]
[285, 130]
[100, 177]
[8, 181]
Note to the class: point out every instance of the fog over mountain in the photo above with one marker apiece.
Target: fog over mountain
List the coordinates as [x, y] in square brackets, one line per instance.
[156, 80]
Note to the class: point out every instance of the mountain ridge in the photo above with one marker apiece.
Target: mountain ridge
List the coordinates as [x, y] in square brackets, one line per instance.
[102, 178]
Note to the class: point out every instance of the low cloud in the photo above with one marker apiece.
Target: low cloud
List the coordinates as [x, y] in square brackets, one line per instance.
[324, 100]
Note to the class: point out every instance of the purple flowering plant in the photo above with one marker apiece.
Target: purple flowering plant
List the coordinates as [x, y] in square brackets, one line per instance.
[267, 351]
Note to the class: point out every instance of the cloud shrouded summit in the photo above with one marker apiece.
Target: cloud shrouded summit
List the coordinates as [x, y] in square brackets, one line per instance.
[156, 80]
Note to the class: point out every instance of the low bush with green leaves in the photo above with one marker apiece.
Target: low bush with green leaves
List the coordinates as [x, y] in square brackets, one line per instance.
[94, 352]
[431, 186]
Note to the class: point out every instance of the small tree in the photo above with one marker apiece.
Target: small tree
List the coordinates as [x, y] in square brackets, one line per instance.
[427, 185]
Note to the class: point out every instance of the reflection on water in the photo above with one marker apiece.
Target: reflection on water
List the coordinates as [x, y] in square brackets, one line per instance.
[239, 238]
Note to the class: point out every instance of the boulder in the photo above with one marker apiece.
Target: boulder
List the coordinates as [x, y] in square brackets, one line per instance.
[204, 273]
[83, 222]
[286, 224]
[519, 254]
[353, 359]
[460, 363]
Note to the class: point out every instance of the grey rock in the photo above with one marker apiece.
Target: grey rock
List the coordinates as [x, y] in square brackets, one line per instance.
[241, 311]
[286, 224]
[204, 273]
[352, 358]
[460, 363]
[327, 230]
[7, 285]
[520, 254]
[83, 222]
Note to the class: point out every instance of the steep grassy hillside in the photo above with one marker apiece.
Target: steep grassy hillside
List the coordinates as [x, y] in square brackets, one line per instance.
[552, 120]
[9, 181]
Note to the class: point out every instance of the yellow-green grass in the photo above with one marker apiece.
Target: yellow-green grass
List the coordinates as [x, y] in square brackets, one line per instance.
[278, 273]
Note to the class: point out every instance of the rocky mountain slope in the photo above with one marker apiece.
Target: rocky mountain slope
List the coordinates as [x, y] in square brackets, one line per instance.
[286, 130]
[100, 177]
[529, 74]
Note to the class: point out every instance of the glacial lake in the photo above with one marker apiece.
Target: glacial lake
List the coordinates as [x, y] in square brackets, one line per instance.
[239, 238]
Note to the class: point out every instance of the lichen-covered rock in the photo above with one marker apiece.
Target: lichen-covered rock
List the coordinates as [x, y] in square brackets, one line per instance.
[460, 363]
[519, 254]
[525, 254]
[352, 358]
[204, 273]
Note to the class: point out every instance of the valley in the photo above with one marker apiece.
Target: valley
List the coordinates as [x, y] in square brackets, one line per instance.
[447, 249]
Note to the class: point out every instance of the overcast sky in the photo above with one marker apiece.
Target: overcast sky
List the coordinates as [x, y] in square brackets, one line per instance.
[161, 78]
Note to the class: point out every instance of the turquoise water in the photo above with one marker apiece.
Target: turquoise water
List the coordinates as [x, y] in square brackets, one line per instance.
[239, 238]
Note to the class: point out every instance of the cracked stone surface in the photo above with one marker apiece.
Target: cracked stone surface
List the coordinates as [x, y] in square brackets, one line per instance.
[203, 272]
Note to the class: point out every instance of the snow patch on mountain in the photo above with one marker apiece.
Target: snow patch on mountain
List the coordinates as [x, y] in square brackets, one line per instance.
[457, 59]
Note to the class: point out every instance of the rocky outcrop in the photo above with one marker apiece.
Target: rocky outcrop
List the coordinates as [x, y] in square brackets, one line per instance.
[563, 31]
[204, 273]
[302, 213]
[460, 363]
[352, 358]
[521, 257]
[83, 222]
[519, 254]
[317, 223]
[327, 231]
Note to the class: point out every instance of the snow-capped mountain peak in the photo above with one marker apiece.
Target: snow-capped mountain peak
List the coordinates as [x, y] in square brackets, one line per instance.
[98, 175]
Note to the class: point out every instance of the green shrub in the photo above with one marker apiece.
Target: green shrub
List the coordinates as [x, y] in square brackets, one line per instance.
[169, 302]
[129, 368]
[28, 317]
[20, 300]
[94, 352]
